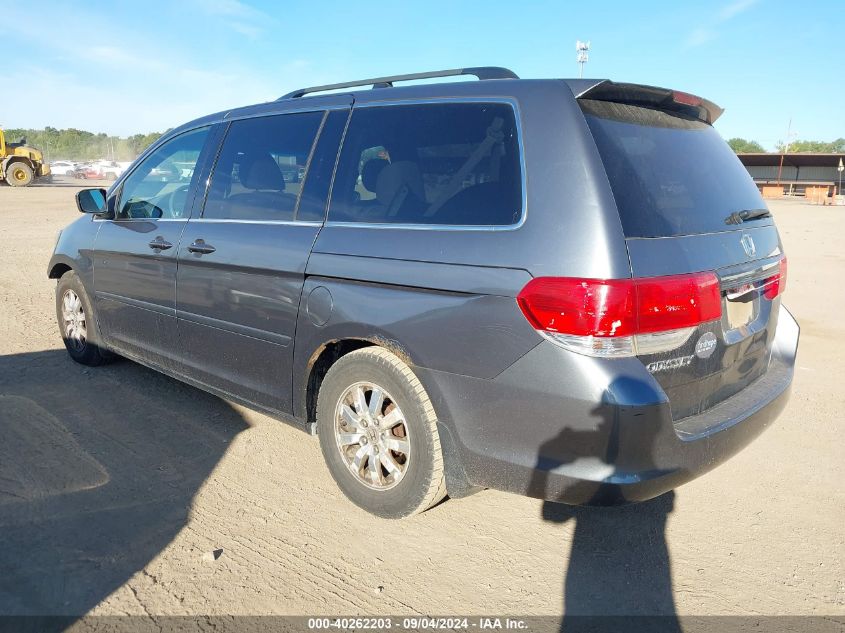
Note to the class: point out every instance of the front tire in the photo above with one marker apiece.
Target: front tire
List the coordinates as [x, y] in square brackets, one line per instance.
[378, 434]
[18, 174]
[77, 322]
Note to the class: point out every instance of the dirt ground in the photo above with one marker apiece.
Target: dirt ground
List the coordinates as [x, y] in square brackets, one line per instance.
[118, 485]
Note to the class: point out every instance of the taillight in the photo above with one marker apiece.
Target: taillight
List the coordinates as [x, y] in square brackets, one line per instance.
[621, 317]
[776, 284]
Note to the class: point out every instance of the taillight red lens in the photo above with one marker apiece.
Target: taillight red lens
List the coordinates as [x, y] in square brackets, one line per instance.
[777, 284]
[597, 307]
[669, 303]
[620, 307]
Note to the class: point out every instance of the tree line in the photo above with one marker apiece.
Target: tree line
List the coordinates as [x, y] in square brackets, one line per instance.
[743, 146]
[81, 145]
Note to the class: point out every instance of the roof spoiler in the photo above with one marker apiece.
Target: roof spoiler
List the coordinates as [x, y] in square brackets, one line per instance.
[649, 97]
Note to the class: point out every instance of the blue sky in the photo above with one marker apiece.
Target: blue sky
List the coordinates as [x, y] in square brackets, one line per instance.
[127, 67]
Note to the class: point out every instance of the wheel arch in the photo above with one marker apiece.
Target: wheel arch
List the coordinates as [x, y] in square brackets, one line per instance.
[16, 159]
[58, 267]
[326, 355]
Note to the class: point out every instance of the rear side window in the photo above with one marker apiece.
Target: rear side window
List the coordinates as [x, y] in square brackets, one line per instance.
[261, 167]
[670, 175]
[437, 163]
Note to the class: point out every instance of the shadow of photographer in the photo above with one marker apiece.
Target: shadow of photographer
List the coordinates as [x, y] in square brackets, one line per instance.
[619, 563]
[98, 471]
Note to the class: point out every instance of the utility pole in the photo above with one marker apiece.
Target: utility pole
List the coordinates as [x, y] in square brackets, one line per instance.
[582, 56]
[786, 147]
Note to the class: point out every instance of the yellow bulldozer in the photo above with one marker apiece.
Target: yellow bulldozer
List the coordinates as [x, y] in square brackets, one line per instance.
[21, 164]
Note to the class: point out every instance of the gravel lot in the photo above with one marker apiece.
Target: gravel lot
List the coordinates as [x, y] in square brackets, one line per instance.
[117, 485]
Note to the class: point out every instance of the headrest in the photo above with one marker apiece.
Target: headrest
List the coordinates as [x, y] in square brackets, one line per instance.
[394, 177]
[370, 173]
[260, 171]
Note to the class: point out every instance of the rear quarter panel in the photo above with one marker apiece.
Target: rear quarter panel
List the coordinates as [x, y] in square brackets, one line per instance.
[469, 325]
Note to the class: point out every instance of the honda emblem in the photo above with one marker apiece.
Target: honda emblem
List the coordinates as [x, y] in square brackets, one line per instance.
[748, 245]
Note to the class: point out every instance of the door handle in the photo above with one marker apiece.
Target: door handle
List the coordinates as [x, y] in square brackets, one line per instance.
[160, 243]
[201, 248]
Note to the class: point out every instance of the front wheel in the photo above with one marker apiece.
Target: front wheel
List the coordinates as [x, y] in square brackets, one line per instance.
[77, 324]
[378, 434]
[19, 174]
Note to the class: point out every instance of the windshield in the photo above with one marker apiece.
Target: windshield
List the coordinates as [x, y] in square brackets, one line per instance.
[670, 175]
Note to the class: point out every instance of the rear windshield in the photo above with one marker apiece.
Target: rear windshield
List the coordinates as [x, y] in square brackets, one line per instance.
[670, 175]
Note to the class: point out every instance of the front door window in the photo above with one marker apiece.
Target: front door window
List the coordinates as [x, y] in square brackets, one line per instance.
[158, 187]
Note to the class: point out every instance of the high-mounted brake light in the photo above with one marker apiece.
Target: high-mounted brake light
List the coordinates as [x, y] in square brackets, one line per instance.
[776, 284]
[621, 317]
[685, 98]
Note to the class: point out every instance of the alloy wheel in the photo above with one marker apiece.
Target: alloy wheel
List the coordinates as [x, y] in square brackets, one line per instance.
[371, 434]
[73, 319]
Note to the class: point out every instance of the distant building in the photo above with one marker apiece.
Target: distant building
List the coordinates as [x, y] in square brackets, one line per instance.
[810, 175]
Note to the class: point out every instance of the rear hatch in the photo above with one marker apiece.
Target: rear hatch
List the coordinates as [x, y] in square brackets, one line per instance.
[688, 205]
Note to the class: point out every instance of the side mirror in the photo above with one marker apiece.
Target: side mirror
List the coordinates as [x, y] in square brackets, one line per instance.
[91, 201]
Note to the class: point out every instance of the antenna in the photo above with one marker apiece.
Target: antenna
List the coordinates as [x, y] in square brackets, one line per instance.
[582, 56]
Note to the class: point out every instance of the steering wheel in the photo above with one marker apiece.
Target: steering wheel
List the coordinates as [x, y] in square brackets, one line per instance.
[174, 202]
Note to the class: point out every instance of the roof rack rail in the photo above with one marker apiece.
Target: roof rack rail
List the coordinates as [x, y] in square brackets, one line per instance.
[482, 72]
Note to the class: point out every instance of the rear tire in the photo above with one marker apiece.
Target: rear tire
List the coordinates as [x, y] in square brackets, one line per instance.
[18, 174]
[77, 322]
[378, 434]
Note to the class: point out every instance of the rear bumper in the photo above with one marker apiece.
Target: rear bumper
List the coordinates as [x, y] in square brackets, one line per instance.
[580, 430]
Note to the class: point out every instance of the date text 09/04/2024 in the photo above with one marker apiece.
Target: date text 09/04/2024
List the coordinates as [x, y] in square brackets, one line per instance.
[417, 623]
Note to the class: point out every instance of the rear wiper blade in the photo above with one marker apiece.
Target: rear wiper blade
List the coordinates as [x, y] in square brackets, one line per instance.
[738, 217]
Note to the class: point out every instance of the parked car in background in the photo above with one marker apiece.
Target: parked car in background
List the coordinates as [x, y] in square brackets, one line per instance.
[63, 167]
[110, 170]
[171, 171]
[87, 171]
[569, 289]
